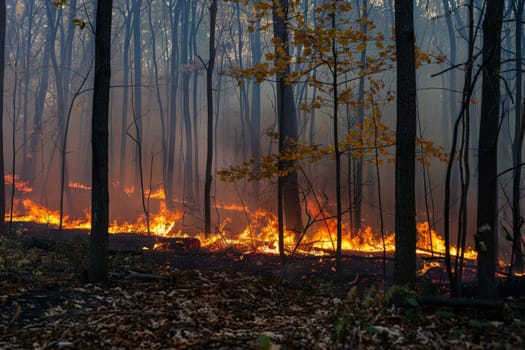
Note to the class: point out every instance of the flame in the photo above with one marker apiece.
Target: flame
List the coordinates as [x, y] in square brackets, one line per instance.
[160, 224]
[20, 185]
[261, 234]
[158, 194]
[429, 265]
[129, 190]
[79, 186]
[34, 212]
[233, 207]
[434, 243]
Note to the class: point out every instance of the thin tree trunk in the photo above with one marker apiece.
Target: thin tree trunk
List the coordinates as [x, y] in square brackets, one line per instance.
[255, 112]
[357, 200]
[186, 75]
[137, 89]
[209, 94]
[337, 152]
[125, 96]
[519, 129]
[172, 121]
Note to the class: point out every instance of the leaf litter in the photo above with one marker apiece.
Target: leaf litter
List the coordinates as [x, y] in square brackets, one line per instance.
[148, 305]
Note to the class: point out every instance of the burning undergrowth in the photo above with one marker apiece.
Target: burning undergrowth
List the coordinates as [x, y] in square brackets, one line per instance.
[258, 235]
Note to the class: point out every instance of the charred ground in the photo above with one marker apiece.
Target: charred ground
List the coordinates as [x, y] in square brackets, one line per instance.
[190, 298]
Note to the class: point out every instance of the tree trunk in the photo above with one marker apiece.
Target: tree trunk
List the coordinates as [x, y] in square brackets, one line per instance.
[517, 264]
[29, 14]
[287, 118]
[406, 125]
[2, 71]
[357, 199]
[186, 75]
[40, 97]
[209, 94]
[125, 96]
[98, 242]
[137, 91]
[486, 235]
[337, 152]
[255, 111]
[172, 121]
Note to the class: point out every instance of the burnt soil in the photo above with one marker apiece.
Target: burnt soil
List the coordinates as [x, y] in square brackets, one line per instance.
[192, 298]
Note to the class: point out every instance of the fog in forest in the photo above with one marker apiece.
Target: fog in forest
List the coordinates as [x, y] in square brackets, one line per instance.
[158, 108]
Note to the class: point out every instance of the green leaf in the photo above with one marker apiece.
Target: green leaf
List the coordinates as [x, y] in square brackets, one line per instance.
[372, 329]
[477, 323]
[445, 314]
[412, 302]
[263, 342]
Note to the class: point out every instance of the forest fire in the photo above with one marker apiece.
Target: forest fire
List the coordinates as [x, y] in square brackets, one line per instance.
[259, 236]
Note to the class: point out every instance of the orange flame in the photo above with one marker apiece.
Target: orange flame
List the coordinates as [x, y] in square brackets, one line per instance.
[20, 185]
[79, 186]
[33, 212]
[259, 236]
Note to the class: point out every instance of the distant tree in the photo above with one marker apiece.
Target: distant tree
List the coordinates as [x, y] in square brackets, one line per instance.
[460, 153]
[2, 70]
[406, 127]
[175, 12]
[137, 93]
[126, 40]
[486, 235]
[98, 248]
[186, 68]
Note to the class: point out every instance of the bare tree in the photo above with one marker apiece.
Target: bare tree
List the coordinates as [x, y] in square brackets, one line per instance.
[517, 263]
[209, 94]
[487, 221]
[98, 248]
[406, 128]
[2, 70]
[287, 118]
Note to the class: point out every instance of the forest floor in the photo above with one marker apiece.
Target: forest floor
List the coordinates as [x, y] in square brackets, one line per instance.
[227, 300]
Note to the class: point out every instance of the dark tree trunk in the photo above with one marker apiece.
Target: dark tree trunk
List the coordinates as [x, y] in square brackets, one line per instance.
[287, 117]
[209, 94]
[519, 129]
[2, 70]
[486, 235]
[406, 125]
[98, 242]
[337, 152]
